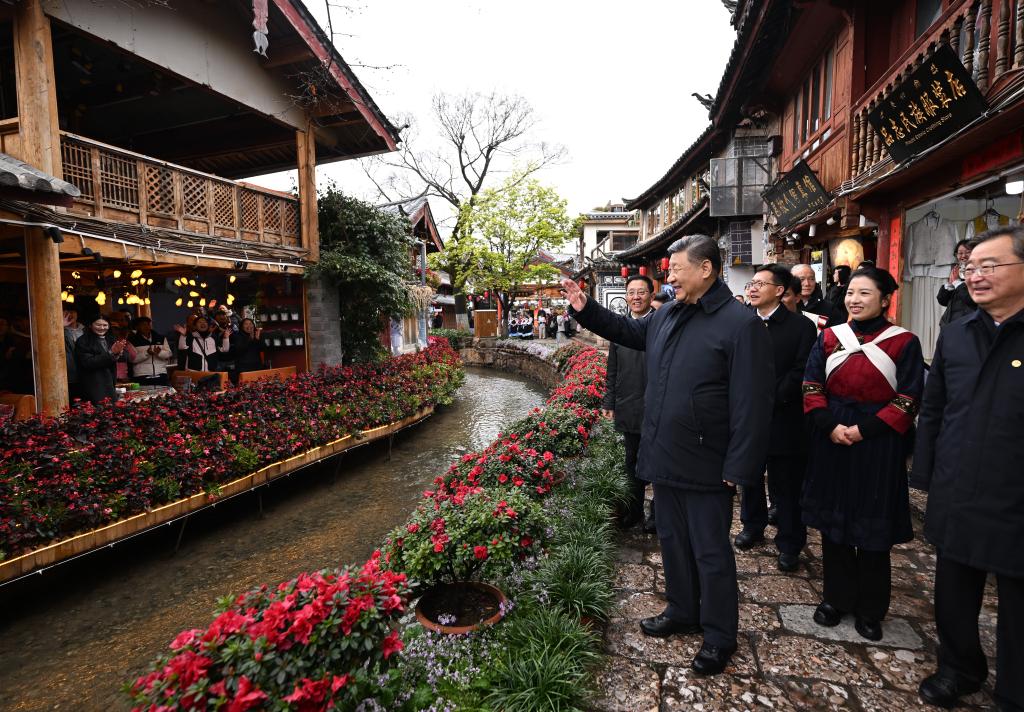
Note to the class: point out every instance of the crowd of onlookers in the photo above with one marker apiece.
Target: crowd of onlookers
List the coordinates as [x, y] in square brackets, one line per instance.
[105, 349]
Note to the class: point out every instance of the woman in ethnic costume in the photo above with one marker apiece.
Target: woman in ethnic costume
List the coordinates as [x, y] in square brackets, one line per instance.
[861, 388]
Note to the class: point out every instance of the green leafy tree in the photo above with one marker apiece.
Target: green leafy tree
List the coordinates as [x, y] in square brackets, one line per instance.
[365, 253]
[507, 228]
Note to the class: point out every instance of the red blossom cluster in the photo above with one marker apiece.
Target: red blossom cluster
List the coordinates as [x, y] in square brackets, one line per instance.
[304, 642]
[95, 465]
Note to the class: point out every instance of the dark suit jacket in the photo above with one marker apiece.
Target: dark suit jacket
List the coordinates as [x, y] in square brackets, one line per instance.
[792, 339]
[708, 401]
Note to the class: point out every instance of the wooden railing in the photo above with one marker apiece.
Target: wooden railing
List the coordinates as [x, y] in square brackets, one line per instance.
[128, 187]
[987, 35]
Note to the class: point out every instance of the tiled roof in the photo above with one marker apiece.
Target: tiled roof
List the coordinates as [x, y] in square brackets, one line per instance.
[18, 174]
[676, 173]
[670, 232]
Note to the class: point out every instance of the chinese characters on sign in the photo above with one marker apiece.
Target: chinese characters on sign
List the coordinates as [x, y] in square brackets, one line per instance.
[795, 195]
[932, 104]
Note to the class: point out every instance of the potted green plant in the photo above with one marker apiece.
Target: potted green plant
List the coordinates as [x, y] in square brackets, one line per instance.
[453, 542]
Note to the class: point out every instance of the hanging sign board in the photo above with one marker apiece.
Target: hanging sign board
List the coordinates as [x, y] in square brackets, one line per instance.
[796, 195]
[938, 99]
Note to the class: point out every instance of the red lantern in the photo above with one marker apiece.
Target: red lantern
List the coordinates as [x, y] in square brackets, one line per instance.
[643, 271]
[624, 271]
[664, 264]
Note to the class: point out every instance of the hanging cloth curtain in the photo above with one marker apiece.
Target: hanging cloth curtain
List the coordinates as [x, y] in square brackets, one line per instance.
[260, 14]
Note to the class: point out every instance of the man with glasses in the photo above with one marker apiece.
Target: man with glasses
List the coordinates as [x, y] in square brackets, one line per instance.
[968, 457]
[707, 413]
[792, 338]
[624, 397]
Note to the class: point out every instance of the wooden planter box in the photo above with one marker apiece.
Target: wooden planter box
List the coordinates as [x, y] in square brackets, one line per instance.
[111, 533]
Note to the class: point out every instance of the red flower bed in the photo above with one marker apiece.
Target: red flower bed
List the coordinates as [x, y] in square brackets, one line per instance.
[95, 465]
[313, 642]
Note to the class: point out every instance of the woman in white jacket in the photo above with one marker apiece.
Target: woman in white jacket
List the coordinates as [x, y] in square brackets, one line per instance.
[152, 354]
[198, 346]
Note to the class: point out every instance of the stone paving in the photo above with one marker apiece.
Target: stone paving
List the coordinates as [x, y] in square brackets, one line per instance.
[785, 661]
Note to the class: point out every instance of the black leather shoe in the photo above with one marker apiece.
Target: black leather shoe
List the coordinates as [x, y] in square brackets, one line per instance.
[747, 539]
[661, 626]
[943, 690]
[872, 630]
[773, 516]
[827, 615]
[711, 660]
[788, 562]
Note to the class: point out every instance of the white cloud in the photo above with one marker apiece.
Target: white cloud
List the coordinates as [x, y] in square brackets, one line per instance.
[609, 80]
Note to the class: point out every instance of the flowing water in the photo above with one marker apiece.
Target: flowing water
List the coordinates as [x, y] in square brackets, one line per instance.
[70, 637]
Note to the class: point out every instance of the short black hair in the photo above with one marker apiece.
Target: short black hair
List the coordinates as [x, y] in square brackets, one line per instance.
[697, 249]
[844, 273]
[965, 241]
[883, 280]
[780, 273]
[643, 278]
[1016, 235]
[660, 298]
[794, 285]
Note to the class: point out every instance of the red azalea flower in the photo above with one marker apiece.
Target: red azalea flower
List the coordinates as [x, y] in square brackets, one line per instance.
[392, 644]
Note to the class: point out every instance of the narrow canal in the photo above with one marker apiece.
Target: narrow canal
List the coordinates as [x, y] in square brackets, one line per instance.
[70, 637]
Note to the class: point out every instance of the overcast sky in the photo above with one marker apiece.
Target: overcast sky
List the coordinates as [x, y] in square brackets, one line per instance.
[611, 81]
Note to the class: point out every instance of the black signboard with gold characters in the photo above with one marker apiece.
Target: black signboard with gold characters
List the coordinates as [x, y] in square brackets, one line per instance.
[796, 195]
[934, 102]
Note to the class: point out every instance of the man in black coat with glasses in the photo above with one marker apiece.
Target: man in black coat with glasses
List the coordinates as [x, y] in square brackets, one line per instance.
[707, 413]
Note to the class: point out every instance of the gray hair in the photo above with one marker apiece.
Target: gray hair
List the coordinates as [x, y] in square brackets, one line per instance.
[697, 249]
[1016, 235]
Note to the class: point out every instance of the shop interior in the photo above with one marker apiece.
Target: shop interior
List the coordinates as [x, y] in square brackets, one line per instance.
[930, 234]
[167, 293]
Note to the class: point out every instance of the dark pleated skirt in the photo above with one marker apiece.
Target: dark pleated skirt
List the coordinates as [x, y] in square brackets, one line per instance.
[858, 495]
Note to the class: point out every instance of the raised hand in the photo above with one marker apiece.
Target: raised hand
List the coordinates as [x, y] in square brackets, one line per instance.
[577, 299]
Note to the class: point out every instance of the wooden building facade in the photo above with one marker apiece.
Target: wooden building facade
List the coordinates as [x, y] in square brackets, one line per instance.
[154, 112]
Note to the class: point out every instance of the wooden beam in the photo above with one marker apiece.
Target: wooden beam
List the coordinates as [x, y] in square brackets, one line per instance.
[40, 147]
[285, 53]
[305, 142]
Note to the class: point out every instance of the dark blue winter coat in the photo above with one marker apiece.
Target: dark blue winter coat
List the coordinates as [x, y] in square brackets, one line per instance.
[710, 389]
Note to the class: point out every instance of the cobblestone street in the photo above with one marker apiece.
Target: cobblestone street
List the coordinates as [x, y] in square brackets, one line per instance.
[785, 661]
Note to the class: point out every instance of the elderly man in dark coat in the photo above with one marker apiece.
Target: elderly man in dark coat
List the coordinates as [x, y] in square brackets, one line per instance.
[970, 459]
[624, 395]
[707, 412]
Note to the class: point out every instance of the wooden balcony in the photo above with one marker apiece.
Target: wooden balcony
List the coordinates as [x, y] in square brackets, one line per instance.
[122, 186]
[987, 35]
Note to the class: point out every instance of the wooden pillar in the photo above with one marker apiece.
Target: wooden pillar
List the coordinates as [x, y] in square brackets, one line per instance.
[40, 147]
[305, 142]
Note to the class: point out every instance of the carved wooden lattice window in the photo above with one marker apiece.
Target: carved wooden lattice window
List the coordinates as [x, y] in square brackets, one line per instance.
[272, 214]
[250, 211]
[119, 179]
[224, 205]
[193, 197]
[159, 190]
[77, 162]
[290, 219]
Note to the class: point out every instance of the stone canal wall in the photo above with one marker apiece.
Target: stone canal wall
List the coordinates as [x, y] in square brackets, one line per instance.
[494, 354]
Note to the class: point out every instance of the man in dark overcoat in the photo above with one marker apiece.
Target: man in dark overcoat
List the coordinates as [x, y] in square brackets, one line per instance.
[969, 457]
[624, 394]
[707, 411]
[792, 338]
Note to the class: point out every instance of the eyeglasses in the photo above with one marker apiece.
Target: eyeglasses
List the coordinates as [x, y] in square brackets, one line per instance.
[758, 284]
[986, 270]
[635, 293]
[675, 270]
